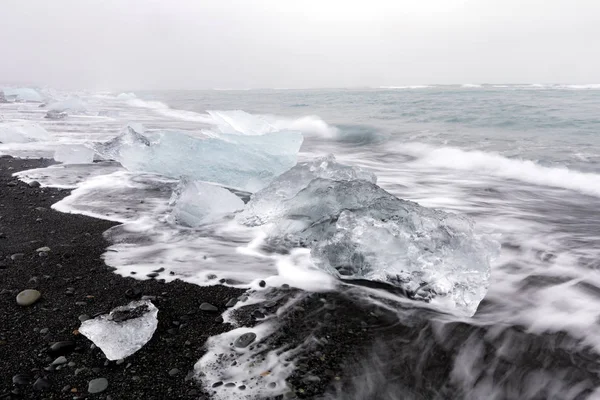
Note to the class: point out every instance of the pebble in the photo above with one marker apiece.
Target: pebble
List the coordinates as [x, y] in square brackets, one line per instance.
[208, 307]
[232, 302]
[41, 384]
[60, 360]
[245, 340]
[83, 317]
[173, 372]
[62, 348]
[44, 249]
[28, 297]
[17, 256]
[152, 275]
[98, 385]
[34, 184]
[44, 331]
[262, 283]
[161, 269]
[21, 379]
[217, 384]
[71, 364]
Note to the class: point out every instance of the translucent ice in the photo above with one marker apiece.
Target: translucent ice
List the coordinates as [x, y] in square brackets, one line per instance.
[238, 122]
[357, 230]
[196, 203]
[74, 154]
[130, 138]
[269, 203]
[238, 161]
[124, 331]
[72, 105]
[22, 132]
[22, 94]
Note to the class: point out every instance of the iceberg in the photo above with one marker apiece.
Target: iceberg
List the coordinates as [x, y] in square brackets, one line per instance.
[238, 161]
[196, 203]
[22, 95]
[22, 132]
[357, 230]
[74, 154]
[124, 330]
[268, 204]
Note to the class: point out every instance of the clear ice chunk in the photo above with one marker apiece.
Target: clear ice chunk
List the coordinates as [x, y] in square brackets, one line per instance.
[22, 132]
[74, 154]
[357, 230]
[195, 203]
[72, 105]
[22, 95]
[269, 204]
[239, 161]
[124, 330]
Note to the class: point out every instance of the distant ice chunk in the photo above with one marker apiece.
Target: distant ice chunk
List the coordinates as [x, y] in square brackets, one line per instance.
[22, 132]
[124, 331]
[196, 203]
[53, 114]
[74, 154]
[22, 95]
[357, 230]
[269, 204]
[130, 138]
[73, 105]
[238, 161]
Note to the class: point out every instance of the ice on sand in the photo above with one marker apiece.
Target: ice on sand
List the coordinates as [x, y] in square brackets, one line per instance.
[124, 330]
[196, 203]
[357, 230]
[22, 132]
[247, 162]
[74, 154]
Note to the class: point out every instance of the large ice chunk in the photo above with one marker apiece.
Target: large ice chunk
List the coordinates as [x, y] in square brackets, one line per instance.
[269, 204]
[357, 230]
[124, 331]
[237, 161]
[74, 154]
[22, 94]
[130, 138]
[22, 132]
[72, 105]
[195, 203]
[238, 122]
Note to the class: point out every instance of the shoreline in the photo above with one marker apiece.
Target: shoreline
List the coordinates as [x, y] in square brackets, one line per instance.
[74, 261]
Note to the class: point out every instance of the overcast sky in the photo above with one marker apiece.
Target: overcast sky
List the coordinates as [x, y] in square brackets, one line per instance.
[196, 44]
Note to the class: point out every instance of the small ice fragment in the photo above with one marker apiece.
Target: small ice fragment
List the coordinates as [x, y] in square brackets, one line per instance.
[124, 331]
[22, 132]
[74, 154]
[196, 203]
[53, 114]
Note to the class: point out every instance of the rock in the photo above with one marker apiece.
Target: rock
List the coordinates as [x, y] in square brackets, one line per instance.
[34, 184]
[21, 379]
[161, 269]
[152, 275]
[208, 307]
[262, 283]
[44, 331]
[217, 384]
[60, 361]
[28, 297]
[61, 348]
[83, 317]
[245, 340]
[98, 385]
[17, 256]
[173, 372]
[133, 293]
[232, 302]
[44, 249]
[41, 384]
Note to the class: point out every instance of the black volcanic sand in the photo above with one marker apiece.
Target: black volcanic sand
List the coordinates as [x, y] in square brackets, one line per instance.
[76, 242]
[352, 349]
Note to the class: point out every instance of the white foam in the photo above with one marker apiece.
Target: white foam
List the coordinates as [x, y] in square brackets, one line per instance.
[470, 86]
[485, 163]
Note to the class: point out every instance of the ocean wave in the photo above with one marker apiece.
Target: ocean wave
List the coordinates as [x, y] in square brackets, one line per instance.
[496, 165]
[470, 85]
[406, 87]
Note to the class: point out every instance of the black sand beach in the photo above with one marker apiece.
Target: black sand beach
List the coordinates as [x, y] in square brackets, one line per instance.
[74, 261]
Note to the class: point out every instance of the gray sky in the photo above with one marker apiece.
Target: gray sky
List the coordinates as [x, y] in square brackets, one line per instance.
[195, 44]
